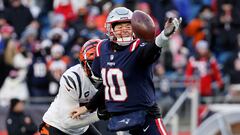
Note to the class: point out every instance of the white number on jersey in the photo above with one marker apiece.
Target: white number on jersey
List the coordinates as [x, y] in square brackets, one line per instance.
[39, 70]
[110, 86]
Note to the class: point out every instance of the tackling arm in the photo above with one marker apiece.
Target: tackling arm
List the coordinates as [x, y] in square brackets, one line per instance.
[82, 121]
[97, 102]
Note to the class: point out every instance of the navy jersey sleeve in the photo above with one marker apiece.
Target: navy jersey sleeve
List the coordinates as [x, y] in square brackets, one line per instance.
[96, 67]
[148, 52]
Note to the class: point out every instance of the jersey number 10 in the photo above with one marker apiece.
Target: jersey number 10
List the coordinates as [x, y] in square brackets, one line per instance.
[111, 87]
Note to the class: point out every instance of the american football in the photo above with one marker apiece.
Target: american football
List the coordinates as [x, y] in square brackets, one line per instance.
[143, 25]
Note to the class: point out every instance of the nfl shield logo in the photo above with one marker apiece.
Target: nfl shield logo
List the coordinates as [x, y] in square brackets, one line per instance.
[111, 57]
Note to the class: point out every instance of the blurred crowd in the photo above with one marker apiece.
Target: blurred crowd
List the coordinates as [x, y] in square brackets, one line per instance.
[40, 39]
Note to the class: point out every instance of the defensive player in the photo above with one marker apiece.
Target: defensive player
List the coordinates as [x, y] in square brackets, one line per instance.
[125, 65]
[76, 89]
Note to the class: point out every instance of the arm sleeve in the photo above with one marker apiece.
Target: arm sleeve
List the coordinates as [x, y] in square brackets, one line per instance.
[96, 67]
[189, 72]
[98, 100]
[83, 121]
[150, 52]
[216, 72]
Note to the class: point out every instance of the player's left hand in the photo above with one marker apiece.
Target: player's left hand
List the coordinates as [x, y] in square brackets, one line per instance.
[171, 26]
[77, 112]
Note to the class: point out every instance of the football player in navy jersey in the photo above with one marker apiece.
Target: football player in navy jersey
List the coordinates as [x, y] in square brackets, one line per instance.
[125, 65]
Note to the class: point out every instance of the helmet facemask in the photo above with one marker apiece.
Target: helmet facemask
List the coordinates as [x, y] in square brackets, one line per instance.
[88, 69]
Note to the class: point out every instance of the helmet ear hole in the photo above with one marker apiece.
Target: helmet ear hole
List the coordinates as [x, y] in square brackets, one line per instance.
[113, 25]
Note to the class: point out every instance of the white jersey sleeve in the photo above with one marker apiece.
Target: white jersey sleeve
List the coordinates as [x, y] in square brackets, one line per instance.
[75, 88]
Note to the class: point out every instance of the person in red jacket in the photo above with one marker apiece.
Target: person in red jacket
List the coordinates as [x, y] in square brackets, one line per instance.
[205, 67]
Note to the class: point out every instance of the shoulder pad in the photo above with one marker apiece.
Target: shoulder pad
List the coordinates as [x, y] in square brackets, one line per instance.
[71, 81]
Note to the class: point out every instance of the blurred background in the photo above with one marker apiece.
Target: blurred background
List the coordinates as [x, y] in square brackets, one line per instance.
[197, 76]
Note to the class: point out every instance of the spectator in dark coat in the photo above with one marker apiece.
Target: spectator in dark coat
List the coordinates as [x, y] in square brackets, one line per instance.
[18, 16]
[17, 122]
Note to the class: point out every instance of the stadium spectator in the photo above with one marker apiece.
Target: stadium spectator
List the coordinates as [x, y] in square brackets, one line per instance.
[3, 20]
[8, 50]
[58, 36]
[226, 25]
[46, 49]
[159, 9]
[228, 66]
[91, 31]
[199, 28]
[30, 36]
[37, 77]
[74, 54]
[205, 67]
[18, 123]
[65, 8]
[234, 79]
[162, 85]
[74, 5]
[20, 13]
[101, 19]
[15, 85]
[56, 66]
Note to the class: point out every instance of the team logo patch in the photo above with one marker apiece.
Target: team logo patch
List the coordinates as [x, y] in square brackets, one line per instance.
[143, 44]
[86, 94]
[126, 121]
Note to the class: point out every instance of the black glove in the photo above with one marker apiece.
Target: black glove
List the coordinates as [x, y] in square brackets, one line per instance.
[103, 114]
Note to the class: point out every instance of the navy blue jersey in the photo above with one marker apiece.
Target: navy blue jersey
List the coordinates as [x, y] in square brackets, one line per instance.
[37, 76]
[127, 75]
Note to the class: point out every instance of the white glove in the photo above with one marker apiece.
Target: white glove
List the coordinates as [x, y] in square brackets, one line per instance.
[171, 26]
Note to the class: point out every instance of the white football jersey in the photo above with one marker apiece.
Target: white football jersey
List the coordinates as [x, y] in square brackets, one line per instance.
[75, 88]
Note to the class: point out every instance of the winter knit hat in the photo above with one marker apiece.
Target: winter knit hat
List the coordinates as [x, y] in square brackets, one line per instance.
[13, 103]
